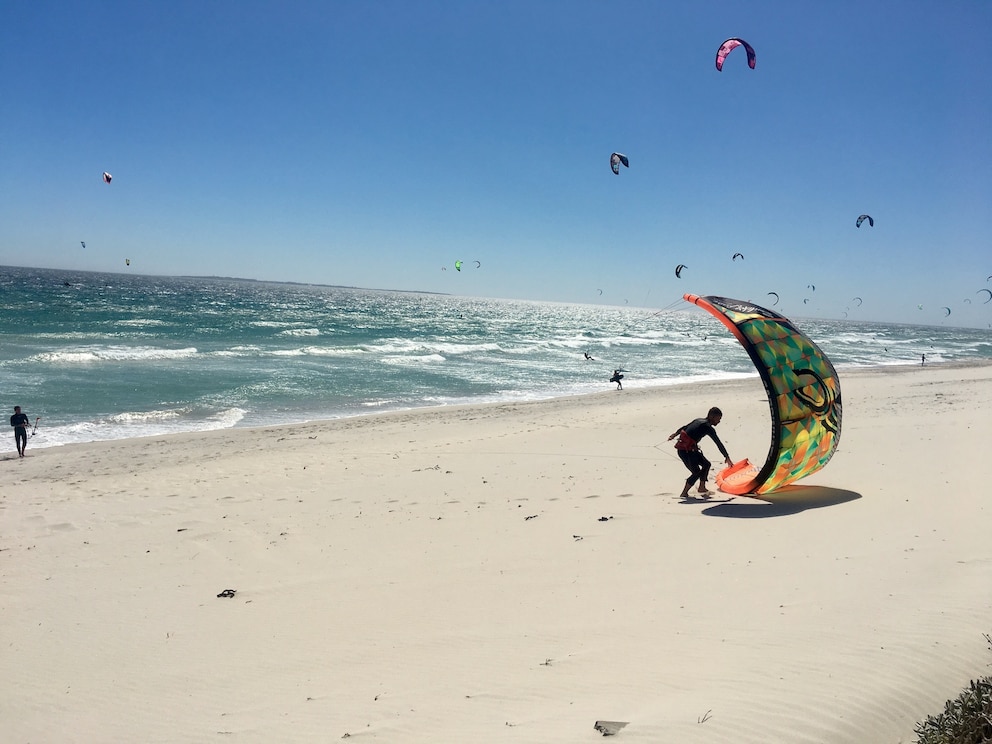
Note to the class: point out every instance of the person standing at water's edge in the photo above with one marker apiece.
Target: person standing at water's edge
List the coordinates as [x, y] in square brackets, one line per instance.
[20, 423]
[690, 453]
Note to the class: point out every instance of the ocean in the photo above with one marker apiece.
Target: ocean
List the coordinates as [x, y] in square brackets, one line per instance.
[113, 356]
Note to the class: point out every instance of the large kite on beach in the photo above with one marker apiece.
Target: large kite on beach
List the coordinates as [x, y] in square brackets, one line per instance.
[615, 160]
[730, 45]
[803, 394]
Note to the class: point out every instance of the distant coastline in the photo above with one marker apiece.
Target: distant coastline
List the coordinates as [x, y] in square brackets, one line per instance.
[215, 277]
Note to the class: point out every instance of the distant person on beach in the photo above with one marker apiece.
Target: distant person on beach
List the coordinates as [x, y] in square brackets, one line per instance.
[20, 423]
[616, 378]
[690, 454]
[923, 360]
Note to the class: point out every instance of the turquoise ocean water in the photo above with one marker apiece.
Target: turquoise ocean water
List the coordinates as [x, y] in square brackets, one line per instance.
[112, 356]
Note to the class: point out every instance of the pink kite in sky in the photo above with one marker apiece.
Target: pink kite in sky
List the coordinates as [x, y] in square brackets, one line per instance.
[728, 46]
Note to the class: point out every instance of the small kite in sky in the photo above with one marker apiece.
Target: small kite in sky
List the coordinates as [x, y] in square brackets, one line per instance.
[775, 295]
[615, 160]
[107, 178]
[458, 265]
[728, 46]
[738, 255]
[678, 270]
[987, 291]
[82, 243]
[858, 299]
[862, 218]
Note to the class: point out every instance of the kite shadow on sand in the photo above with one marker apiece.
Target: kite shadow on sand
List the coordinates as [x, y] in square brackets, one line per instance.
[782, 502]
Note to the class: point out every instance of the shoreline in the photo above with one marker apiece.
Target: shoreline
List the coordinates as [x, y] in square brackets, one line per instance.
[843, 371]
[504, 572]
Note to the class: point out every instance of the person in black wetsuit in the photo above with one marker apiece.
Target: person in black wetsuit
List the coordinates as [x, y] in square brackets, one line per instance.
[690, 454]
[20, 423]
[616, 378]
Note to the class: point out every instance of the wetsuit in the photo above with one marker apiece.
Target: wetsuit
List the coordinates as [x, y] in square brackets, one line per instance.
[689, 453]
[20, 423]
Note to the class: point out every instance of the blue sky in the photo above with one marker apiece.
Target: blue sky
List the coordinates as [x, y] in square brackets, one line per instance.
[372, 143]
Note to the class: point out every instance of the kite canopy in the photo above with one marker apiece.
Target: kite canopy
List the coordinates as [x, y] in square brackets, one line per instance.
[107, 178]
[728, 46]
[616, 159]
[862, 218]
[678, 270]
[803, 394]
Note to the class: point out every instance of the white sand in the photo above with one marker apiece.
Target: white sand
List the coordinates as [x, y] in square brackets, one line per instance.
[446, 576]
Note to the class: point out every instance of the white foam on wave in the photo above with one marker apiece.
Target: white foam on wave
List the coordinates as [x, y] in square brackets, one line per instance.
[139, 417]
[131, 424]
[411, 360]
[418, 346]
[317, 351]
[300, 332]
[140, 322]
[91, 354]
[379, 403]
[238, 351]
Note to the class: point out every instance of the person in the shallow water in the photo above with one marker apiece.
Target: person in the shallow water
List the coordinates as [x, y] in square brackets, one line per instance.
[616, 378]
[690, 454]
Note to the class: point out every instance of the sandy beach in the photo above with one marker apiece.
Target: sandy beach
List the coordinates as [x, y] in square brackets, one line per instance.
[503, 573]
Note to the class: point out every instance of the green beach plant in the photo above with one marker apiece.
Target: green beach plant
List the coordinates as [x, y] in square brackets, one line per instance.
[966, 720]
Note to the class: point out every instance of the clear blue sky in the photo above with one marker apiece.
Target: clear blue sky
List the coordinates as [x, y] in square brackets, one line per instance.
[372, 143]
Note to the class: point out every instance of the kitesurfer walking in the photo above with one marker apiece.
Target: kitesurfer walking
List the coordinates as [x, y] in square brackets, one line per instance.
[616, 378]
[690, 453]
[20, 423]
